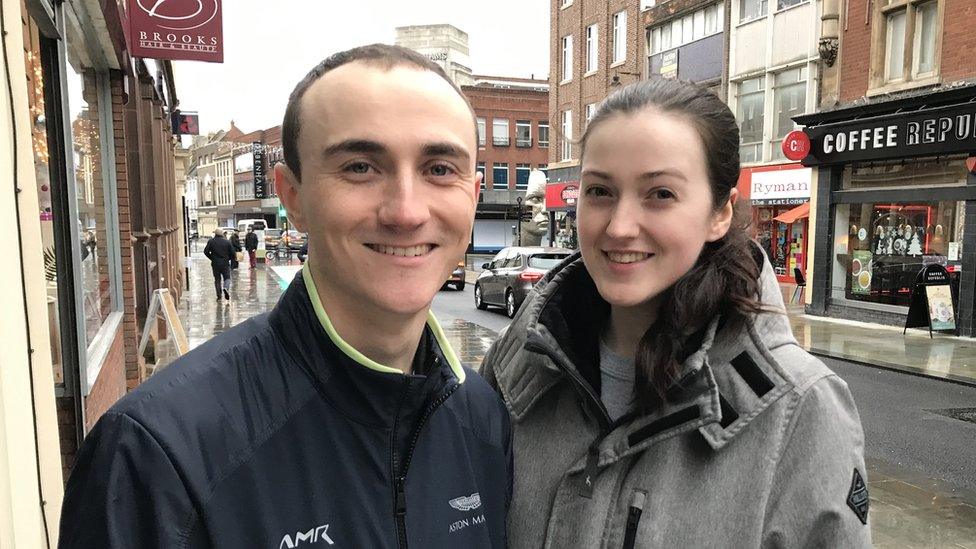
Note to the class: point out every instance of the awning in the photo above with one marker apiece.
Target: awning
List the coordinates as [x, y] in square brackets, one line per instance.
[799, 212]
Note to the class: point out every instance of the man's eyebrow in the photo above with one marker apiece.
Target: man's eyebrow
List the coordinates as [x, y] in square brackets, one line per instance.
[446, 149]
[354, 146]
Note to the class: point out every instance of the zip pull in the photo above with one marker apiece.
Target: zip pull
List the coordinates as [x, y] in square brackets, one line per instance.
[633, 518]
[401, 497]
[590, 471]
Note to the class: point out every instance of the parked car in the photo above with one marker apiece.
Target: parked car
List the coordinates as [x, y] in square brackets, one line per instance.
[295, 240]
[456, 278]
[507, 279]
[272, 238]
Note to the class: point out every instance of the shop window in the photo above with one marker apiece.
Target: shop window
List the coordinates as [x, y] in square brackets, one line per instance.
[879, 248]
[93, 192]
[789, 100]
[749, 108]
[929, 172]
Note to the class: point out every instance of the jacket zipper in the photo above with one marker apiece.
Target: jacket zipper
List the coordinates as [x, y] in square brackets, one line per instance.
[400, 495]
[633, 518]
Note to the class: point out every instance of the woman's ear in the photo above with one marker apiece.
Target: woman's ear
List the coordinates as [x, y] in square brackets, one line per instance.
[722, 217]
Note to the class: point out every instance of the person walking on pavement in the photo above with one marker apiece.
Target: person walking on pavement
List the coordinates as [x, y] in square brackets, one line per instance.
[251, 245]
[220, 252]
[342, 417]
[235, 241]
[659, 398]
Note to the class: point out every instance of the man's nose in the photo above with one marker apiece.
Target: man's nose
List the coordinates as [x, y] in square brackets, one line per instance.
[406, 206]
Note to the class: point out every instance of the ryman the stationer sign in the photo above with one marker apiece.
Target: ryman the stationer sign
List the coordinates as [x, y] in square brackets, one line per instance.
[176, 29]
[945, 130]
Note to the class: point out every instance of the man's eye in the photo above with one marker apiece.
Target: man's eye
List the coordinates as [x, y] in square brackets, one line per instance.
[596, 191]
[440, 170]
[358, 168]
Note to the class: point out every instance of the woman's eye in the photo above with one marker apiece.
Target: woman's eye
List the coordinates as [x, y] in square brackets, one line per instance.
[663, 194]
[596, 191]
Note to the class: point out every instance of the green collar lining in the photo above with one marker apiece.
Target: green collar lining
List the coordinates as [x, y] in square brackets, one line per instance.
[362, 359]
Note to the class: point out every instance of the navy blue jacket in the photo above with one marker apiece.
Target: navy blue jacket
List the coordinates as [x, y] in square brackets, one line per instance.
[271, 436]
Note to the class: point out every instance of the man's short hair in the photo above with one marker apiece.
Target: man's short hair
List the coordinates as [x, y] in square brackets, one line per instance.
[218, 232]
[383, 55]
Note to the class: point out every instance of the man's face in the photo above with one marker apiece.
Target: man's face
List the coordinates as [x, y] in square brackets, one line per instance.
[388, 186]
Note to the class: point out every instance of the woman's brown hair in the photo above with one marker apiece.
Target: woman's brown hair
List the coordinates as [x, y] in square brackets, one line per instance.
[725, 279]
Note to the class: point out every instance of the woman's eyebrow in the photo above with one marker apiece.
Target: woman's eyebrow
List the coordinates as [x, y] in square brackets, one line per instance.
[669, 172]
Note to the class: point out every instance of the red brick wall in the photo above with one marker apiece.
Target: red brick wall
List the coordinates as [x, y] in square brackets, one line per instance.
[958, 42]
[511, 104]
[110, 385]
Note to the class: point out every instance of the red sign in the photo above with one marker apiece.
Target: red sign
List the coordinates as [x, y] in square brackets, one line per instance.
[971, 164]
[796, 145]
[562, 196]
[176, 29]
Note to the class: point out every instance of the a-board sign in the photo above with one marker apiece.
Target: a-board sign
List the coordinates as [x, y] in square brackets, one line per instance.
[932, 305]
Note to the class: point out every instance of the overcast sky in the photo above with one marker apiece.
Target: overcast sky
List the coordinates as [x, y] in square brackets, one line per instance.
[269, 46]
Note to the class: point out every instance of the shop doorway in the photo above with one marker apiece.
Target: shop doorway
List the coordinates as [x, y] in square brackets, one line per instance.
[782, 233]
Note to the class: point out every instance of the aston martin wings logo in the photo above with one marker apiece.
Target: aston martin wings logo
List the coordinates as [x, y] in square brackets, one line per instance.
[466, 503]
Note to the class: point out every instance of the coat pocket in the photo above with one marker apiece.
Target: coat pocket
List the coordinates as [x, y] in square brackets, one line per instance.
[633, 517]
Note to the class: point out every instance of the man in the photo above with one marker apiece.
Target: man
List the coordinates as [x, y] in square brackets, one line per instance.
[220, 252]
[343, 417]
[251, 245]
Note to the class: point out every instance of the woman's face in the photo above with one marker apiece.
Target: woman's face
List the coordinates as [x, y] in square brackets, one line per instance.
[645, 209]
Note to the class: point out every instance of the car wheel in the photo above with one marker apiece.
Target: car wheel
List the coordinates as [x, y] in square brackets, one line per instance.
[510, 308]
[460, 286]
[478, 302]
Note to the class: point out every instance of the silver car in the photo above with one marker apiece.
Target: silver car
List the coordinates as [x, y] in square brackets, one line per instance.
[508, 278]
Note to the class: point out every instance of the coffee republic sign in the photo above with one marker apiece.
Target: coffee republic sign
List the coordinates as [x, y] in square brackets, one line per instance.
[176, 29]
[939, 131]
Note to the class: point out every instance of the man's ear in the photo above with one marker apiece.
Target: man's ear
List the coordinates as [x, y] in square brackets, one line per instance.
[478, 177]
[288, 187]
[722, 217]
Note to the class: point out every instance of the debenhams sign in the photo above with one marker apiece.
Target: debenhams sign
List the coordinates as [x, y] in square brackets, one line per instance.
[946, 130]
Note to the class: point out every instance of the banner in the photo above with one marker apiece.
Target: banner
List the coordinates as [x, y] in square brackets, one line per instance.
[176, 29]
[260, 183]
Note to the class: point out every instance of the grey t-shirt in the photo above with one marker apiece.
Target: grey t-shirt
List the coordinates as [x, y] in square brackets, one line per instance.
[617, 376]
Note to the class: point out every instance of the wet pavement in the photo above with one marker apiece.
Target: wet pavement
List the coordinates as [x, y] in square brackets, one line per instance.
[908, 509]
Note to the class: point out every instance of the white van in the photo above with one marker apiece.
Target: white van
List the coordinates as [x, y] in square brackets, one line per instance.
[256, 224]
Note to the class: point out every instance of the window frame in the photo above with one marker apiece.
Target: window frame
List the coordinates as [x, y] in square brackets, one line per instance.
[763, 11]
[761, 91]
[879, 81]
[566, 146]
[566, 59]
[592, 49]
[499, 141]
[526, 169]
[520, 142]
[539, 126]
[494, 180]
[619, 38]
[482, 131]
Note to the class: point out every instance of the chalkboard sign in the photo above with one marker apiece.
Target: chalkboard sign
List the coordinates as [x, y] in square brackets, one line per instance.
[932, 305]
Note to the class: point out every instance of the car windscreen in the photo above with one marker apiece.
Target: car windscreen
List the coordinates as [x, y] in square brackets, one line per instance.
[545, 261]
[272, 232]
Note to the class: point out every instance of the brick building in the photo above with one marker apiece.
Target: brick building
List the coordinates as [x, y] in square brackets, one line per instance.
[595, 47]
[513, 138]
[893, 193]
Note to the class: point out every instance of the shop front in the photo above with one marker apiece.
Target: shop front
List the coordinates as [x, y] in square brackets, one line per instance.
[780, 200]
[896, 183]
[561, 199]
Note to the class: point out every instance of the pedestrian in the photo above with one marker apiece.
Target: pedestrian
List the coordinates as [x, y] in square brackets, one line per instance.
[658, 395]
[235, 241]
[220, 252]
[251, 245]
[342, 417]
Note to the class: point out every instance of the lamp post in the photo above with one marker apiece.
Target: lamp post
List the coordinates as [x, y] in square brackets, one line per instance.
[518, 211]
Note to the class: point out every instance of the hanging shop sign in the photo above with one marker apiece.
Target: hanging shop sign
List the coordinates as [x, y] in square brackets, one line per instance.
[562, 196]
[260, 183]
[189, 30]
[932, 305]
[931, 132]
[185, 124]
[780, 187]
[796, 145]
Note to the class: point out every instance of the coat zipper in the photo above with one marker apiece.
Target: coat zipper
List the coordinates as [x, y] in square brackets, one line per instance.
[400, 481]
[633, 518]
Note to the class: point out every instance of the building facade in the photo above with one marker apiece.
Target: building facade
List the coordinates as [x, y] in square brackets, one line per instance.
[892, 148]
[513, 139]
[688, 40]
[773, 77]
[445, 45]
[595, 47]
[96, 233]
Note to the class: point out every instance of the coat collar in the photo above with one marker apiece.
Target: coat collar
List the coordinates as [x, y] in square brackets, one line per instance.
[725, 384]
[362, 389]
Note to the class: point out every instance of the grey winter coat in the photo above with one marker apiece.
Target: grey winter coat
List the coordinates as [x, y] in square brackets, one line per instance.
[761, 447]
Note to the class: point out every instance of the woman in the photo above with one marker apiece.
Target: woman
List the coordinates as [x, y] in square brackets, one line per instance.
[658, 395]
[235, 241]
